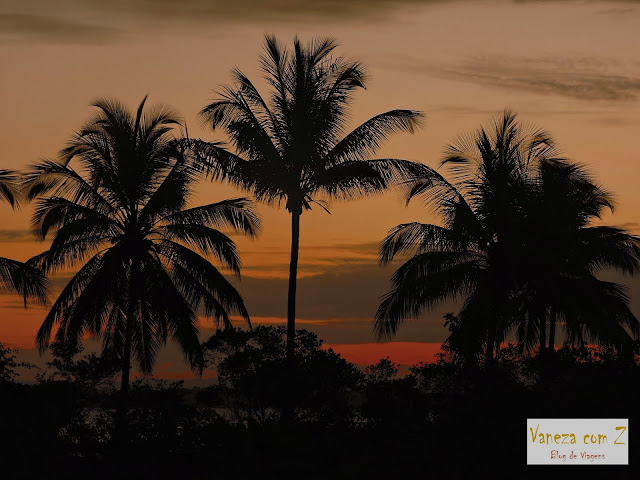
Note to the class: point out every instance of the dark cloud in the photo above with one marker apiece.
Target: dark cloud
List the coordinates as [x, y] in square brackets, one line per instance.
[341, 281]
[18, 26]
[336, 293]
[314, 259]
[98, 21]
[16, 236]
[584, 78]
[604, 2]
[340, 304]
[618, 11]
[221, 10]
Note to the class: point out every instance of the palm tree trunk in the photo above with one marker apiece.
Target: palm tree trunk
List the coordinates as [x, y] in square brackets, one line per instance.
[545, 360]
[123, 407]
[286, 414]
[126, 359]
[121, 428]
[542, 315]
[491, 341]
[131, 317]
[293, 275]
[552, 329]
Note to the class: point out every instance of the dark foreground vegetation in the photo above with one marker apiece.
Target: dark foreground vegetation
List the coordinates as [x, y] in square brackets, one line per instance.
[448, 419]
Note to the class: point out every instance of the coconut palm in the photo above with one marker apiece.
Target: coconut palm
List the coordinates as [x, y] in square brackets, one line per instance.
[469, 256]
[115, 202]
[563, 253]
[512, 245]
[16, 276]
[293, 146]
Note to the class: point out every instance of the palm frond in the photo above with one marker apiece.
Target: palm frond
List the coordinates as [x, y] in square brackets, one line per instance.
[24, 279]
[365, 140]
[9, 187]
[237, 214]
[417, 237]
[421, 283]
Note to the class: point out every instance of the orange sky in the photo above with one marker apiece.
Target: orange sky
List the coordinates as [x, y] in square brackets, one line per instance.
[571, 67]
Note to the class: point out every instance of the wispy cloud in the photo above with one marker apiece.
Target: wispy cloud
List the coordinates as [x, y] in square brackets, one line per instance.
[603, 2]
[16, 27]
[619, 11]
[314, 259]
[16, 236]
[586, 78]
[97, 21]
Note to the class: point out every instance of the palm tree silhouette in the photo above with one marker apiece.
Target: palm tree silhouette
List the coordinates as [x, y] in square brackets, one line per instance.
[502, 216]
[293, 147]
[563, 253]
[16, 276]
[119, 214]
[470, 255]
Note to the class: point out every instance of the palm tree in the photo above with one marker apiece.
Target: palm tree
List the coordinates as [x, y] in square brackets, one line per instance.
[563, 253]
[470, 256]
[116, 201]
[514, 244]
[294, 147]
[16, 276]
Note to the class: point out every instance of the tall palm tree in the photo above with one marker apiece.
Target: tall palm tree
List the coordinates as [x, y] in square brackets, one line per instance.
[116, 201]
[294, 147]
[16, 276]
[562, 255]
[470, 256]
[512, 245]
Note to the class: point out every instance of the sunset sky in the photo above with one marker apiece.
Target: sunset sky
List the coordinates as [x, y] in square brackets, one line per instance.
[572, 67]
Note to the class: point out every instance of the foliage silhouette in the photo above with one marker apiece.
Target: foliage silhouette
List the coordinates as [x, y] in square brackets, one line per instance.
[563, 253]
[511, 202]
[8, 364]
[16, 276]
[116, 201]
[471, 255]
[436, 405]
[89, 372]
[253, 371]
[293, 147]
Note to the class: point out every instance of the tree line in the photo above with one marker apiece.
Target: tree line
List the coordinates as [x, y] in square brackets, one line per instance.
[449, 417]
